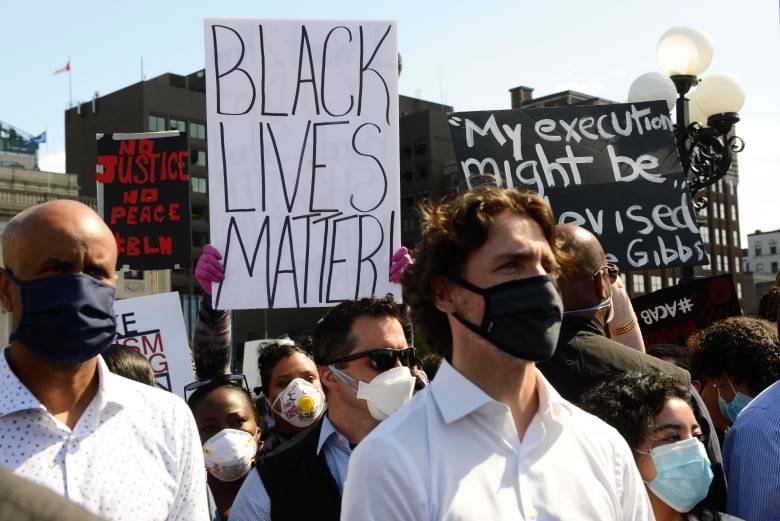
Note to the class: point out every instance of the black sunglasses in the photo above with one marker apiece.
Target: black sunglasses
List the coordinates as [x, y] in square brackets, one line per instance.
[237, 379]
[384, 359]
[612, 270]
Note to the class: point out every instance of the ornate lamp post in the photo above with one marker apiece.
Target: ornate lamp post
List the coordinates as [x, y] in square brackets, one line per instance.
[705, 121]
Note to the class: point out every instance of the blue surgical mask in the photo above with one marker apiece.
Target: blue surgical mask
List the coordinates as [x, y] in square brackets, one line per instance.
[731, 409]
[66, 319]
[684, 474]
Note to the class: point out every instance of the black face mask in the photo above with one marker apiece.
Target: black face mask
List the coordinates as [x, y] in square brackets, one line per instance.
[522, 317]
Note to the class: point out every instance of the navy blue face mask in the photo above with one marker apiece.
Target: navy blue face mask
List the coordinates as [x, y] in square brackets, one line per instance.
[66, 319]
[522, 317]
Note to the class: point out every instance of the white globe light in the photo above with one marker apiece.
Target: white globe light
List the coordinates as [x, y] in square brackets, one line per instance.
[685, 51]
[695, 113]
[719, 93]
[653, 86]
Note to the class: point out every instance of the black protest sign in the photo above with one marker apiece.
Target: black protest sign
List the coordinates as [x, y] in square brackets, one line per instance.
[304, 192]
[671, 315]
[612, 169]
[146, 197]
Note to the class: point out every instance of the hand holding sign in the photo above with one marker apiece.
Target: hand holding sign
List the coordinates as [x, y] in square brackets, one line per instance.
[399, 261]
[209, 268]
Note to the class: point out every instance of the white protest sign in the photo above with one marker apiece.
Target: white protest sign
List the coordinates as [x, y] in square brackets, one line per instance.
[304, 191]
[154, 326]
[249, 367]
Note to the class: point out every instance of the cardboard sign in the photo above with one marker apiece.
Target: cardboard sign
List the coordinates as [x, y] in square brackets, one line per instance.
[144, 196]
[304, 192]
[612, 169]
[671, 315]
[154, 326]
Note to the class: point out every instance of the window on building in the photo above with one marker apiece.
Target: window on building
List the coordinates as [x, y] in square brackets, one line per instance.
[715, 210]
[705, 235]
[739, 290]
[758, 248]
[719, 262]
[656, 282]
[407, 200]
[197, 130]
[732, 191]
[722, 210]
[407, 176]
[772, 247]
[200, 238]
[708, 266]
[737, 265]
[638, 283]
[156, 123]
[406, 151]
[705, 211]
[759, 267]
[724, 237]
[409, 224]
[735, 238]
[716, 234]
[669, 282]
[422, 171]
[420, 148]
[199, 185]
[133, 275]
[774, 267]
[200, 211]
[198, 157]
[178, 124]
[733, 212]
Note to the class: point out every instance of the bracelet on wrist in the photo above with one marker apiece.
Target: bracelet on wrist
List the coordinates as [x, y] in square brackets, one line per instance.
[625, 328]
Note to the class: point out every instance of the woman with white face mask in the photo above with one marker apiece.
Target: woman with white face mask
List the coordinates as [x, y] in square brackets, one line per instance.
[229, 428]
[291, 392]
[653, 413]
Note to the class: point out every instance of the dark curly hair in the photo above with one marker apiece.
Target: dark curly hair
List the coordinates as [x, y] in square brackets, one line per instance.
[745, 348]
[453, 228]
[630, 401]
[270, 353]
[332, 337]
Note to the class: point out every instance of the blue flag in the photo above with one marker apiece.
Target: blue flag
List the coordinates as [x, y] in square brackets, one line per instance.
[36, 140]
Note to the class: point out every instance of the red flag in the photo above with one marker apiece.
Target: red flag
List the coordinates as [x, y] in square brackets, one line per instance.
[64, 69]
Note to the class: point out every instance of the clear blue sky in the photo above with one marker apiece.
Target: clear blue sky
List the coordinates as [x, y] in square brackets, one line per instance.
[465, 54]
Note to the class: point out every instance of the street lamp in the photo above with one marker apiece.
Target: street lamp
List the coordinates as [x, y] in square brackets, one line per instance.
[703, 123]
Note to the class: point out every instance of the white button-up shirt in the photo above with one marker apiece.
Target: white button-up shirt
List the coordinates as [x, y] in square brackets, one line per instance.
[134, 454]
[453, 453]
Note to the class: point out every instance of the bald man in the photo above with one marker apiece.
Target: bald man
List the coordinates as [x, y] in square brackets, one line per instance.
[585, 355]
[120, 449]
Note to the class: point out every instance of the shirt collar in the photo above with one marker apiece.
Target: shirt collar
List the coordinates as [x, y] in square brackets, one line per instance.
[16, 397]
[456, 396]
[328, 432]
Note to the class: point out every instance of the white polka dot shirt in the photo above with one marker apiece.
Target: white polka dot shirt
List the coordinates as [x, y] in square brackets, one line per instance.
[134, 454]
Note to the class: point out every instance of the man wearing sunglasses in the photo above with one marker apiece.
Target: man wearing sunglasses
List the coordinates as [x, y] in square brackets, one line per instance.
[364, 362]
[490, 438]
[585, 355]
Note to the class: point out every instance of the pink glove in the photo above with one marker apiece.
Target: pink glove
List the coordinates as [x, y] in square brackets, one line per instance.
[209, 268]
[399, 261]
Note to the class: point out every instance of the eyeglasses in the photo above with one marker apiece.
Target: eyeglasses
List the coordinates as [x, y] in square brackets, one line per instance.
[236, 379]
[384, 359]
[612, 270]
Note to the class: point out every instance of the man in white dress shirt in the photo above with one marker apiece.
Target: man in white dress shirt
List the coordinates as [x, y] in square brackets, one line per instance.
[489, 438]
[119, 448]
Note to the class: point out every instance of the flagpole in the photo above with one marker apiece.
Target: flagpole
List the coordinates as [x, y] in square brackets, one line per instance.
[70, 86]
